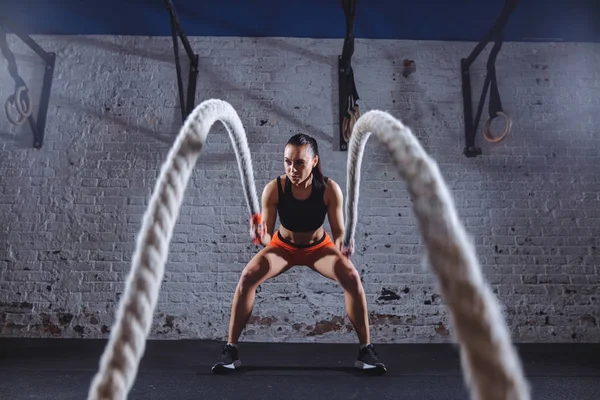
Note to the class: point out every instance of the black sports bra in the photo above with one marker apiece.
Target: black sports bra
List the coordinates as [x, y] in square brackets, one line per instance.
[301, 215]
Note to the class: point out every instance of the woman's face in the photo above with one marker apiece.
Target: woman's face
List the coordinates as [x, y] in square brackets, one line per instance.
[298, 162]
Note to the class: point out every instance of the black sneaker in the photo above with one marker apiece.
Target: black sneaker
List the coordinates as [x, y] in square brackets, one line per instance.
[368, 361]
[230, 360]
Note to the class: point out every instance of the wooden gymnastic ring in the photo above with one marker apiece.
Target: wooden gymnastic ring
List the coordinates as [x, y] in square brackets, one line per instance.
[486, 128]
[22, 101]
[10, 101]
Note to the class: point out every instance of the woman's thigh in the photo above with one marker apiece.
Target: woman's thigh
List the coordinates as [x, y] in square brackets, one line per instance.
[331, 263]
[267, 263]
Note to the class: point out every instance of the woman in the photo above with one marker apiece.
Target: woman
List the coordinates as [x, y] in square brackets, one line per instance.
[302, 198]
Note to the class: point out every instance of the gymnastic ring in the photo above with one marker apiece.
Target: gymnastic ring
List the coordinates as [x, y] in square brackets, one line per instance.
[22, 101]
[346, 129]
[486, 128]
[10, 100]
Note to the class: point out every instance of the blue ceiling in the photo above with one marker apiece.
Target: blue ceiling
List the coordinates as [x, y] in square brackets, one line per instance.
[534, 20]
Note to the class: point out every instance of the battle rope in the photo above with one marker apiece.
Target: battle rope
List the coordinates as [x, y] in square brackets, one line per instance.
[491, 367]
[20, 98]
[121, 357]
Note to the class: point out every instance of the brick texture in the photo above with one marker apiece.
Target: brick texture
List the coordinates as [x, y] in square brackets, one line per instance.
[70, 212]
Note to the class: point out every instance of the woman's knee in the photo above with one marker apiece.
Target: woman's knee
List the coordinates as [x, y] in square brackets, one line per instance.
[348, 277]
[251, 276]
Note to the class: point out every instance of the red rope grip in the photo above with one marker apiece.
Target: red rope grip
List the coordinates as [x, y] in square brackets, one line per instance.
[256, 219]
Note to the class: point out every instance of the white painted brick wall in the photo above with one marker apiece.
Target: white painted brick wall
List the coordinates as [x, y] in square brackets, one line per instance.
[70, 211]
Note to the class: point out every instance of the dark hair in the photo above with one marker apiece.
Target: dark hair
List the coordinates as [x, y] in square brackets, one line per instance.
[301, 139]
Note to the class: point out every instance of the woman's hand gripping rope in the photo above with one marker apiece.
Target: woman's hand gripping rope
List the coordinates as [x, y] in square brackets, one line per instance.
[258, 230]
[347, 250]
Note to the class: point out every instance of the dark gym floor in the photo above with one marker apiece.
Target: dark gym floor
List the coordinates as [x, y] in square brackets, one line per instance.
[178, 370]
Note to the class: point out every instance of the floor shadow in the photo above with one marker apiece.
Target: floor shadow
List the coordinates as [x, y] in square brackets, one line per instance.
[311, 370]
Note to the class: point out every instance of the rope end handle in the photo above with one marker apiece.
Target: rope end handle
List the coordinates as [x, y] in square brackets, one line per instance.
[257, 229]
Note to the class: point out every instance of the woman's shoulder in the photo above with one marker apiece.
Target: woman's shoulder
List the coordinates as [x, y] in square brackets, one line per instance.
[328, 181]
[330, 184]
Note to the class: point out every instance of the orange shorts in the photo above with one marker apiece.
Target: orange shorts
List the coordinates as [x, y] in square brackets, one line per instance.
[300, 252]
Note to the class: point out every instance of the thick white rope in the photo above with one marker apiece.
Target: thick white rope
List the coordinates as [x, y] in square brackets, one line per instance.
[491, 366]
[124, 350]
[490, 363]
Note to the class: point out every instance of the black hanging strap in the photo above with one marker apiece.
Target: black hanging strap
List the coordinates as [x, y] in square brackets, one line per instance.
[491, 83]
[20, 98]
[13, 70]
[348, 49]
[348, 94]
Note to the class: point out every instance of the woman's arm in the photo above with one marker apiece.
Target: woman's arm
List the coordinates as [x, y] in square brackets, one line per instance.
[335, 211]
[269, 201]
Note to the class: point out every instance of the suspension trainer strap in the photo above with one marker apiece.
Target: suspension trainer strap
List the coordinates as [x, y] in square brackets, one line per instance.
[10, 57]
[495, 104]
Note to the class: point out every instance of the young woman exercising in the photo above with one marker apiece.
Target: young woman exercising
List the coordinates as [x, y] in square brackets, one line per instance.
[302, 198]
